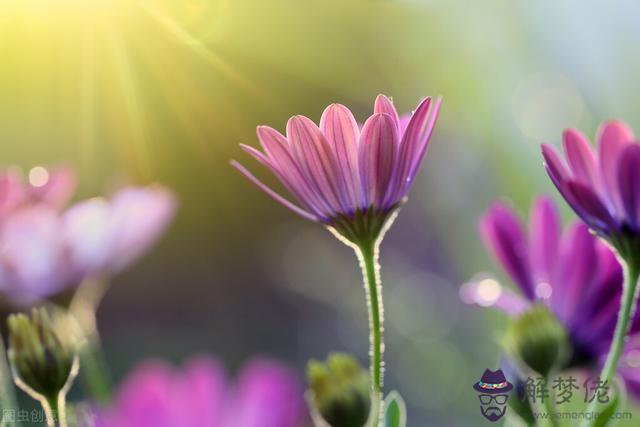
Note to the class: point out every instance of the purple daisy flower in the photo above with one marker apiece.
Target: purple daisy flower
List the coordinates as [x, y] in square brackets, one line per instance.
[573, 273]
[265, 394]
[349, 178]
[602, 188]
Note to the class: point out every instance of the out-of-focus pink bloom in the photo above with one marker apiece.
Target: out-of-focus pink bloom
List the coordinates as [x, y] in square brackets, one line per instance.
[602, 187]
[45, 248]
[336, 171]
[52, 187]
[266, 394]
[105, 236]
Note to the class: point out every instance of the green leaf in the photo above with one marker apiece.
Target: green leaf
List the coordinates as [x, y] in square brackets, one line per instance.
[395, 414]
[607, 412]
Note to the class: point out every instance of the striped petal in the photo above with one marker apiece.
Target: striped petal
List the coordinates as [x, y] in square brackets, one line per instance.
[385, 105]
[277, 197]
[277, 149]
[316, 161]
[613, 137]
[341, 132]
[581, 159]
[412, 146]
[377, 156]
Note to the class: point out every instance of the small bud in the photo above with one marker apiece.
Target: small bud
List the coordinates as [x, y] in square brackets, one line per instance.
[340, 390]
[539, 340]
[40, 357]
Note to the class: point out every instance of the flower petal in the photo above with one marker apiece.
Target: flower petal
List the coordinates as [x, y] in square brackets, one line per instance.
[277, 197]
[317, 162]
[412, 147]
[377, 156]
[504, 235]
[613, 137]
[385, 105]
[581, 159]
[589, 207]
[341, 132]
[544, 232]
[278, 150]
[629, 183]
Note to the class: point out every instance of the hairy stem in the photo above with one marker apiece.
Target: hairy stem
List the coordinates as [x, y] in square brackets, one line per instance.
[627, 309]
[7, 393]
[368, 255]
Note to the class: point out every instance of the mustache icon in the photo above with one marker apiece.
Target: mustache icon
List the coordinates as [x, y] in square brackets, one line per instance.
[492, 410]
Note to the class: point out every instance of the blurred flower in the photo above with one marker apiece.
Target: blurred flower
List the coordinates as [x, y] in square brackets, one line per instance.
[44, 248]
[339, 391]
[347, 178]
[51, 187]
[573, 273]
[266, 394]
[601, 188]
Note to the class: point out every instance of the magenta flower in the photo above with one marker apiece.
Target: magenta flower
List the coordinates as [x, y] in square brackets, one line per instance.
[266, 394]
[44, 248]
[52, 187]
[601, 188]
[572, 272]
[341, 175]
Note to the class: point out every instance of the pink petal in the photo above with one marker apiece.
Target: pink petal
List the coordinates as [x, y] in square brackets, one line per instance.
[267, 394]
[556, 167]
[32, 253]
[87, 228]
[581, 159]
[278, 150]
[317, 162]
[412, 146]
[385, 105]
[12, 191]
[378, 147]
[613, 137]
[341, 132]
[589, 206]
[139, 216]
[278, 198]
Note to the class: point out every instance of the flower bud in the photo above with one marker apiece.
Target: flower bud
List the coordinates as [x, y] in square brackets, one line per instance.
[40, 357]
[539, 340]
[339, 390]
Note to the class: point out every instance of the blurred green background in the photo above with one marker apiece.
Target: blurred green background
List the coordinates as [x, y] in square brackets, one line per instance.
[165, 90]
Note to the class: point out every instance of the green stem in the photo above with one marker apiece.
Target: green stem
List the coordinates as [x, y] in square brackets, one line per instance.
[368, 255]
[627, 309]
[7, 394]
[94, 370]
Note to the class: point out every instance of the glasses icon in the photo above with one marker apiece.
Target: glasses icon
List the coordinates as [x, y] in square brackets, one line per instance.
[500, 399]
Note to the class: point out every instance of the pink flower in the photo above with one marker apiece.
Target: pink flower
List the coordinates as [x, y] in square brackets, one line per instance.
[45, 248]
[266, 394]
[340, 174]
[602, 188]
[53, 187]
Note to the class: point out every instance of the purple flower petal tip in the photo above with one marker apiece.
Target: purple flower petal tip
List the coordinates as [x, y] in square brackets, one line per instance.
[335, 170]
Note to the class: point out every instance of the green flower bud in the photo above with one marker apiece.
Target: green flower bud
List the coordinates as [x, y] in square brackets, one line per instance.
[339, 390]
[40, 357]
[539, 340]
